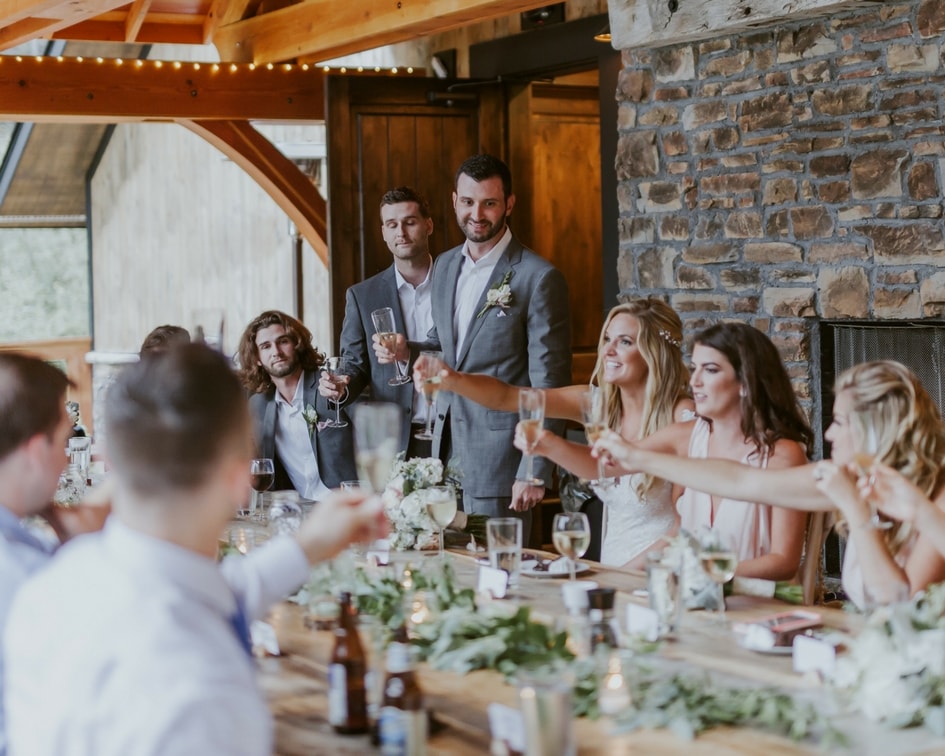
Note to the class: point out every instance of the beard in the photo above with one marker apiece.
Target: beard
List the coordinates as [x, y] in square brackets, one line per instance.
[490, 232]
[284, 368]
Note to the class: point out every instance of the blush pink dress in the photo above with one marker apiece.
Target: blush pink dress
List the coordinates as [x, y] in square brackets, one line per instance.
[852, 574]
[746, 524]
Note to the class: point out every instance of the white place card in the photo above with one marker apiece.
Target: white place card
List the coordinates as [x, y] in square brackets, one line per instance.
[814, 655]
[264, 637]
[643, 621]
[507, 726]
[493, 581]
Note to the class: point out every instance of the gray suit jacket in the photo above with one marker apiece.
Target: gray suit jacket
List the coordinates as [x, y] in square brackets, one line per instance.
[528, 344]
[368, 377]
[333, 447]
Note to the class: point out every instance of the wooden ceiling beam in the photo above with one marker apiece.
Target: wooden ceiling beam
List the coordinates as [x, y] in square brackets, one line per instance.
[136, 15]
[325, 29]
[223, 13]
[157, 31]
[276, 174]
[44, 19]
[68, 90]
[652, 23]
[12, 11]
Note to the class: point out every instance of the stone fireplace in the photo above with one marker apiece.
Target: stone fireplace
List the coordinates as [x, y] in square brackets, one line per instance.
[790, 176]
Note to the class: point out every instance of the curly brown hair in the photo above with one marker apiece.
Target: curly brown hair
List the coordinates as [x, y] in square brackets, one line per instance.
[254, 376]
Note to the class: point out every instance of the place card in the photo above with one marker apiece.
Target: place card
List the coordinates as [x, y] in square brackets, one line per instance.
[814, 655]
[643, 621]
[507, 726]
[264, 637]
[493, 581]
[378, 554]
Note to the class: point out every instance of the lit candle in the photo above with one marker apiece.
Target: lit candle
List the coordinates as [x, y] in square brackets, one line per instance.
[613, 696]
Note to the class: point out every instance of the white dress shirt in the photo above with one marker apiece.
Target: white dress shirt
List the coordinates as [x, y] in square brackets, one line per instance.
[417, 309]
[294, 445]
[21, 554]
[124, 646]
[473, 278]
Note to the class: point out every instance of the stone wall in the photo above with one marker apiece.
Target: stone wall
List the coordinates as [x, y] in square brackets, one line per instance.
[790, 175]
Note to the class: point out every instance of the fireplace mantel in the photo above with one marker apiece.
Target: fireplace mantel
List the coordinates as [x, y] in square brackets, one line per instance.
[654, 23]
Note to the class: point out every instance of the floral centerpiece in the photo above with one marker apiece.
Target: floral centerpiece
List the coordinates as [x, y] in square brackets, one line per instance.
[894, 669]
[405, 503]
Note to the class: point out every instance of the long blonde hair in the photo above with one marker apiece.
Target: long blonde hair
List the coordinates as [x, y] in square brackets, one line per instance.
[910, 436]
[659, 340]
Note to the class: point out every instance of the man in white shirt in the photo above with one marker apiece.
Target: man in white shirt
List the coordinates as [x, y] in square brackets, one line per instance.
[405, 288]
[279, 367]
[34, 430]
[133, 640]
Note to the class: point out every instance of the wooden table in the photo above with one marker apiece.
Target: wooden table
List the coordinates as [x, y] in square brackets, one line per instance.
[296, 685]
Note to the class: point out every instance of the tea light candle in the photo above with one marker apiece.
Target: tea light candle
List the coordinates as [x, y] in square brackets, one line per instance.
[613, 696]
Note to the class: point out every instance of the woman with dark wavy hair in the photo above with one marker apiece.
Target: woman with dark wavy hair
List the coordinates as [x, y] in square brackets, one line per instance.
[747, 412]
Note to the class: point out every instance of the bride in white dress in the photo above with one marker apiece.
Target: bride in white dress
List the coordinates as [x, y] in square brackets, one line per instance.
[644, 383]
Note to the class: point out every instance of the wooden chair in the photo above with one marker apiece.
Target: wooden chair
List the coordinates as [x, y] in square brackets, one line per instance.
[811, 572]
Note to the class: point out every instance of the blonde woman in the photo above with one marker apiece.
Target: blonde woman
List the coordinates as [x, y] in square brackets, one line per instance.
[880, 565]
[642, 375]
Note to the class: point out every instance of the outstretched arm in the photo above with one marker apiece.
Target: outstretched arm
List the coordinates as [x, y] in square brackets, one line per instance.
[574, 457]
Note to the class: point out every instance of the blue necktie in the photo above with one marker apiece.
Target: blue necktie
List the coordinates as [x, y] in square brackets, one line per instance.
[241, 628]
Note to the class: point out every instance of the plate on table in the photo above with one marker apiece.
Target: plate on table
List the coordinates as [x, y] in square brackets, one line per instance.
[768, 650]
[529, 566]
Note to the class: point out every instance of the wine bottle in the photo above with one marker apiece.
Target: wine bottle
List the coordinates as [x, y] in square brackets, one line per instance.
[347, 693]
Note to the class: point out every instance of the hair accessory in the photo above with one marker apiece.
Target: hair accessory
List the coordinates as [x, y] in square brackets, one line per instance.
[668, 338]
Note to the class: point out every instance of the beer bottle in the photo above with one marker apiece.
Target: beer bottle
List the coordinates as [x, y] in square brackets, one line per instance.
[403, 720]
[347, 699]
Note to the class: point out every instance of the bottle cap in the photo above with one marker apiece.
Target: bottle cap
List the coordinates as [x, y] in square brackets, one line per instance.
[602, 598]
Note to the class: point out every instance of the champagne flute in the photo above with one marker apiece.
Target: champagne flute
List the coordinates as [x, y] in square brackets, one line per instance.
[594, 414]
[334, 366]
[531, 415]
[262, 475]
[719, 560]
[441, 506]
[429, 364]
[376, 436]
[386, 328]
[571, 535]
[864, 457]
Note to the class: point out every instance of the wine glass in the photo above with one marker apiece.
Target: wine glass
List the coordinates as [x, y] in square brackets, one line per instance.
[429, 365]
[441, 506]
[866, 448]
[262, 475]
[386, 328]
[719, 560]
[571, 535]
[376, 437]
[334, 366]
[594, 414]
[531, 415]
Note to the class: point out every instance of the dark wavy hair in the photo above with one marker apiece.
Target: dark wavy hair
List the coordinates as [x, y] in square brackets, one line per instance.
[253, 375]
[483, 166]
[406, 194]
[32, 397]
[769, 406]
[164, 337]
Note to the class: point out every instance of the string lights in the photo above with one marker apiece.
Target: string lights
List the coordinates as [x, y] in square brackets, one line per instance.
[213, 67]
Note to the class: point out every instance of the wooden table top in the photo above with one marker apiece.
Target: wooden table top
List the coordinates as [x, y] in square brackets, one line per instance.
[295, 684]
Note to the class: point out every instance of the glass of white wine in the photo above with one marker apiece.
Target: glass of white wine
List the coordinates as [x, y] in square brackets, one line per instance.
[571, 535]
[531, 417]
[376, 437]
[429, 366]
[386, 327]
[866, 443]
[335, 366]
[594, 414]
[719, 560]
[441, 506]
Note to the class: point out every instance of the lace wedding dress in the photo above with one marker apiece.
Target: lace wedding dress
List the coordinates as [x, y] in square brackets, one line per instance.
[632, 523]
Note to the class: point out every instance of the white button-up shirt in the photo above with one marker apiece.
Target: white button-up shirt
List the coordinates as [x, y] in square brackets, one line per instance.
[124, 645]
[417, 309]
[473, 278]
[294, 446]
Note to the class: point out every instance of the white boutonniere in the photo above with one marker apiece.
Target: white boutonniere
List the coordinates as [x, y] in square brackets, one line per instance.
[499, 295]
[311, 418]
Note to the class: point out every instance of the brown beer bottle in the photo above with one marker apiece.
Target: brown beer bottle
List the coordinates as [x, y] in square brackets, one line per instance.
[403, 720]
[347, 696]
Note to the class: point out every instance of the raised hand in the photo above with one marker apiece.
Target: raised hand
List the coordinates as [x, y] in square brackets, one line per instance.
[615, 451]
[893, 495]
[333, 386]
[398, 353]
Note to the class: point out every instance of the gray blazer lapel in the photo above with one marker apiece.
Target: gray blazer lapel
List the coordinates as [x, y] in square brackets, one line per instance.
[503, 266]
[310, 397]
[268, 430]
[444, 297]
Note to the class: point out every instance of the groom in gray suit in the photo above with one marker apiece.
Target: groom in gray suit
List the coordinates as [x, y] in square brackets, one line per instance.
[405, 288]
[279, 368]
[498, 309]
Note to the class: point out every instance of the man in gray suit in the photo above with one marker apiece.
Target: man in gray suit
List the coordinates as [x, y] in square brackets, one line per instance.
[498, 309]
[405, 288]
[279, 368]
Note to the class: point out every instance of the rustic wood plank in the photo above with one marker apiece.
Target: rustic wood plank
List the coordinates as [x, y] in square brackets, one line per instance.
[45, 19]
[651, 23]
[325, 29]
[136, 15]
[222, 13]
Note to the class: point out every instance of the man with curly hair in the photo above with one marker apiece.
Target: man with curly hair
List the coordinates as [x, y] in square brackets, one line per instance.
[279, 369]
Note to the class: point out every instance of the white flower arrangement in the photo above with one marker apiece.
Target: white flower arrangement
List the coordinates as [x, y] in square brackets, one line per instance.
[894, 669]
[311, 418]
[405, 503]
[499, 295]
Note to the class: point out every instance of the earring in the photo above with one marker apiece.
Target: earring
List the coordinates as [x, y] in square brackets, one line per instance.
[742, 393]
